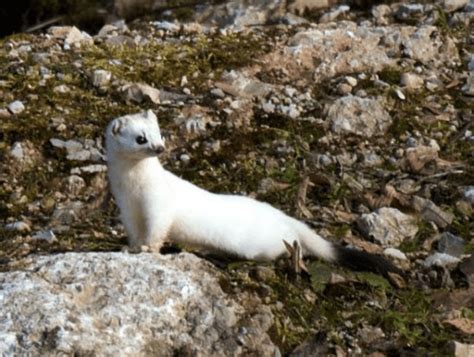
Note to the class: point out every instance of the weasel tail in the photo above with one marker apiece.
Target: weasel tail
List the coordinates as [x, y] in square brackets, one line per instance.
[157, 206]
[354, 259]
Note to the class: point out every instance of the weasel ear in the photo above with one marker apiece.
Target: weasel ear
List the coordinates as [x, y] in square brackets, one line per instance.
[116, 126]
[150, 115]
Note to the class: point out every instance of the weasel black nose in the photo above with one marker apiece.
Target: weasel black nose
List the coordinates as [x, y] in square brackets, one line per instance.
[159, 149]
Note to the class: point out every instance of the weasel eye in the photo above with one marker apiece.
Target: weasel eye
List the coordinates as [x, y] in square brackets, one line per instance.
[141, 140]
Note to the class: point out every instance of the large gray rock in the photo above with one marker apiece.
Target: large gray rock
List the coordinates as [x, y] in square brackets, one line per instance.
[360, 116]
[109, 304]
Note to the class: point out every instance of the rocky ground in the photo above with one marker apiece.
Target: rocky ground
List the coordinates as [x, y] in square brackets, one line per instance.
[359, 122]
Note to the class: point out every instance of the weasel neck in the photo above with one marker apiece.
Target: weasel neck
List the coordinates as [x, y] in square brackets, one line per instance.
[126, 165]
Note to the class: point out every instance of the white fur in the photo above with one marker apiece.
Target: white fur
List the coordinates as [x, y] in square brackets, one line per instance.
[156, 205]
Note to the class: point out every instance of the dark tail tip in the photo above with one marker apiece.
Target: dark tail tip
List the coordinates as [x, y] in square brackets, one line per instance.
[359, 260]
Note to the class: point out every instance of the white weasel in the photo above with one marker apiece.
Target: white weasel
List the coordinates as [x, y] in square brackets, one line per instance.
[156, 205]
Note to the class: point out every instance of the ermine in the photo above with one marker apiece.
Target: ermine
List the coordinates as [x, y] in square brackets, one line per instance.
[156, 205]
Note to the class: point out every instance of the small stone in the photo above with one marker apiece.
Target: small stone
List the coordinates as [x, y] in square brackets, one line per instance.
[451, 244]
[440, 260]
[469, 194]
[468, 88]
[411, 81]
[263, 273]
[185, 158]
[89, 169]
[388, 226]
[187, 91]
[431, 213]
[400, 94]
[82, 155]
[360, 116]
[75, 184]
[268, 107]
[17, 151]
[395, 253]
[406, 11]
[351, 81]
[138, 92]
[217, 92]
[453, 5]
[62, 88]
[47, 236]
[344, 88]
[18, 226]
[4, 114]
[167, 26]
[16, 107]
[463, 349]
[101, 78]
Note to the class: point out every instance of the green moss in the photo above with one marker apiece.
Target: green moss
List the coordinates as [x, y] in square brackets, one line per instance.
[391, 75]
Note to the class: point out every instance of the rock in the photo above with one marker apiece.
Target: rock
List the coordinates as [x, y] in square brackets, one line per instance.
[62, 88]
[82, 155]
[453, 5]
[463, 349]
[5, 114]
[469, 194]
[451, 244]
[360, 116]
[121, 304]
[388, 226]
[185, 158]
[395, 253]
[16, 107]
[440, 260]
[302, 6]
[411, 81]
[467, 268]
[468, 88]
[369, 334]
[89, 169]
[71, 35]
[217, 92]
[18, 226]
[238, 84]
[101, 78]
[74, 185]
[334, 14]
[431, 213]
[17, 151]
[67, 212]
[138, 92]
[419, 156]
[167, 26]
[405, 11]
[47, 236]
[426, 46]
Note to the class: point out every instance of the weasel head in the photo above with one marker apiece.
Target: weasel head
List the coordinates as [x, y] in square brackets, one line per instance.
[135, 136]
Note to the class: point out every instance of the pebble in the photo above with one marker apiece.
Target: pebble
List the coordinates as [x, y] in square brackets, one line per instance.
[16, 107]
[17, 151]
[185, 158]
[411, 81]
[440, 259]
[217, 92]
[469, 194]
[451, 244]
[400, 94]
[351, 81]
[48, 236]
[101, 78]
[395, 253]
[18, 226]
